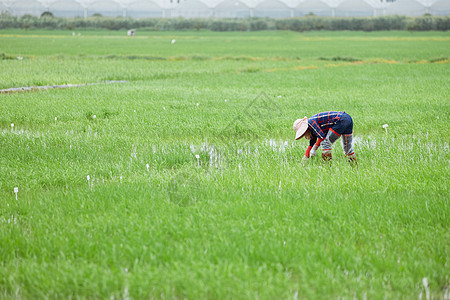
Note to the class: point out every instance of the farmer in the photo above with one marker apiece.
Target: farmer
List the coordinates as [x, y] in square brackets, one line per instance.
[323, 129]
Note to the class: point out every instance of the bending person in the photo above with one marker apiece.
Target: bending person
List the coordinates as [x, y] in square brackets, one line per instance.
[323, 129]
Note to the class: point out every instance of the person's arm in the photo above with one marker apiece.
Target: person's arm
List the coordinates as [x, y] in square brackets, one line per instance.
[317, 144]
[307, 153]
[311, 145]
[317, 136]
[314, 148]
[313, 140]
[314, 143]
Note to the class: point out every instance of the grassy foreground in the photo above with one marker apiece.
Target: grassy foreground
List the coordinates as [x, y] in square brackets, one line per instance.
[185, 182]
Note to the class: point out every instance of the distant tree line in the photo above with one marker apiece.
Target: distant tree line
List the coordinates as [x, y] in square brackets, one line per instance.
[307, 23]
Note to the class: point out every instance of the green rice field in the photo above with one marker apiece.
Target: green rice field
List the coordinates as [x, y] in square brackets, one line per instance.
[171, 171]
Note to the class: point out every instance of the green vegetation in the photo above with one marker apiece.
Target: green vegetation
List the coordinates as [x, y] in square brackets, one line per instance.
[196, 188]
[300, 24]
[47, 14]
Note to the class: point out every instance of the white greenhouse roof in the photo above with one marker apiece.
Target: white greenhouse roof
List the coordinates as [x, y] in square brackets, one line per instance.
[225, 8]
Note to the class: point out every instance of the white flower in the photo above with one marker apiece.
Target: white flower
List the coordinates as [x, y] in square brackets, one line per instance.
[56, 118]
[279, 97]
[12, 125]
[173, 41]
[88, 178]
[198, 104]
[385, 126]
[19, 57]
[94, 116]
[197, 156]
[164, 108]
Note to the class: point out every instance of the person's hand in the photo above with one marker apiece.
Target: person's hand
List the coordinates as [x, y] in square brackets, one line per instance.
[313, 153]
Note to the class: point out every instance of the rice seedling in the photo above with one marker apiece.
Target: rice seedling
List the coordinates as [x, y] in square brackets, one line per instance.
[185, 181]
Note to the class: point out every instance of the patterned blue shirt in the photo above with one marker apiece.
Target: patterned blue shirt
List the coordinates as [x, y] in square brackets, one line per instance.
[322, 122]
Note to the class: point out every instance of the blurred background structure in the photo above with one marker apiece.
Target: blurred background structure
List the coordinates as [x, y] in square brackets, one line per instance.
[225, 8]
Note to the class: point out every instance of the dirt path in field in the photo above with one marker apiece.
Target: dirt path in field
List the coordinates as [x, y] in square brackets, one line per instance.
[48, 87]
